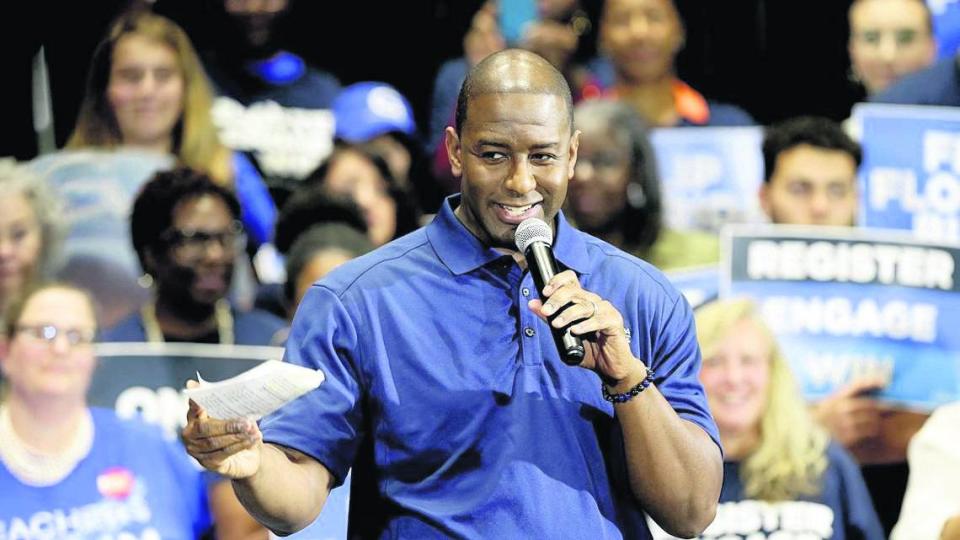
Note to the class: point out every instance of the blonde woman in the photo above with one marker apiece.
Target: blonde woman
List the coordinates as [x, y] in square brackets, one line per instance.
[782, 473]
[146, 90]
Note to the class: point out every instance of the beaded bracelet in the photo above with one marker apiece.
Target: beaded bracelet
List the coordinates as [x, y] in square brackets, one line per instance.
[629, 394]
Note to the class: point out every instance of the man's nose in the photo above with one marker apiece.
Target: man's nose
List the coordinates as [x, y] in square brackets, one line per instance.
[521, 180]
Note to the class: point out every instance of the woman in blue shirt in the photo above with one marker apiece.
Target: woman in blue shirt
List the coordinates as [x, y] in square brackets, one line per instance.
[782, 473]
[70, 471]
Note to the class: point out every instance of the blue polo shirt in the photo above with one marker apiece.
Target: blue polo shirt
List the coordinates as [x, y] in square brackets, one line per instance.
[448, 396]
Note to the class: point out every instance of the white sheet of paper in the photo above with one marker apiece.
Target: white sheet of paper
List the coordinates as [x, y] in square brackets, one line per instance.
[256, 392]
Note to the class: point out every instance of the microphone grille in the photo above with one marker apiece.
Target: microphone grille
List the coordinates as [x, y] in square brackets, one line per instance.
[532, 230]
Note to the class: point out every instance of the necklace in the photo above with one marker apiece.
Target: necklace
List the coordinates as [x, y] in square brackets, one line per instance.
[221, 313]
[40, 469]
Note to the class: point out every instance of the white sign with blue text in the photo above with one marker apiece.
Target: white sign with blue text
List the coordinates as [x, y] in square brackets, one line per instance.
[710, 176]
[910, 176]
[846, 303]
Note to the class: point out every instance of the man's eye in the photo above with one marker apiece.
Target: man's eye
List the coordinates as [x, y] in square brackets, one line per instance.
[798, 188]
[870, 36]
[543, 158]
[905, 37]
[838, 191]
[493, 156]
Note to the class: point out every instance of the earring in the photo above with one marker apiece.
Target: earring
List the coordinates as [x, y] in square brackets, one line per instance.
[145, 281]
[636, 198]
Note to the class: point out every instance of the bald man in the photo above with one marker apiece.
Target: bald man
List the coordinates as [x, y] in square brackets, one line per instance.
[445, 392]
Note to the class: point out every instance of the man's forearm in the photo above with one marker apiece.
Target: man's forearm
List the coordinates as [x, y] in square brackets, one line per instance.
[288, 491]
[675, 469]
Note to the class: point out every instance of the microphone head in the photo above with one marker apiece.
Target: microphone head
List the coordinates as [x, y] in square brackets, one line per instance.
[532, 230]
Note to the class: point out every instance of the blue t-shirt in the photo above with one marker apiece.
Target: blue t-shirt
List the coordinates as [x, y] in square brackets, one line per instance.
[841, 511]
[132, 485]
[449, 395]
[253, 327]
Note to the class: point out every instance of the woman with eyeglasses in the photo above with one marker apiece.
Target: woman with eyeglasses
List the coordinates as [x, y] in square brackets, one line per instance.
[30, 231]
[71, 471]
[186, 232]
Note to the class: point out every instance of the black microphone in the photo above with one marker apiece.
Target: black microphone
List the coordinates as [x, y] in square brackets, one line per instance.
[534, 239]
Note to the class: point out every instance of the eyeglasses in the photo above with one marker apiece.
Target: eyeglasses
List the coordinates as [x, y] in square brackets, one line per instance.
[49, 333]
[192, 243]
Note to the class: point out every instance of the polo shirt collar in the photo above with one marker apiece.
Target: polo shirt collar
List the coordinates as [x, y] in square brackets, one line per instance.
[461, 251]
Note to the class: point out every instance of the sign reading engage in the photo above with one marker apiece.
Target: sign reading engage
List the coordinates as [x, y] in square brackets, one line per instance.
[910, 176]
[846, 303]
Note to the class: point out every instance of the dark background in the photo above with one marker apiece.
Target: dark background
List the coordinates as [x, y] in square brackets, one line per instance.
[776, 59]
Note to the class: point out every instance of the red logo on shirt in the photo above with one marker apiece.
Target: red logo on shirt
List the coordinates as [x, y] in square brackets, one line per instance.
[115, 483]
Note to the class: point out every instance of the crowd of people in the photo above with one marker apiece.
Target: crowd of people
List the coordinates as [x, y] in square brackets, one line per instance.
[304, 213]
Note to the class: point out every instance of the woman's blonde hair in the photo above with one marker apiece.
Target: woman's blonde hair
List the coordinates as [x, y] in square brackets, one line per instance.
[195, 141]
[791, 456]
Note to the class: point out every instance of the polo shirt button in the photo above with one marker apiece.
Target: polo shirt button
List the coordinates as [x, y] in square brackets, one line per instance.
[530, 332]
[525, 291]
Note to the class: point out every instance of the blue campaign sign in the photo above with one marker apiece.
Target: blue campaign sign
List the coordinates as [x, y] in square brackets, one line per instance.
[910, 176]
[710, 175]
[846, 303]
[946, 26]
[698, 285]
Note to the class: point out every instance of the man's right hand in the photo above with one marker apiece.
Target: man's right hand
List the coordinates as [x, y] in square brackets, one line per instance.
[850, 416]
[231, 448]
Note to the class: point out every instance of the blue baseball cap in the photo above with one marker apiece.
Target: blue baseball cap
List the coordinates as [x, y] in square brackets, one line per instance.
[366, 110]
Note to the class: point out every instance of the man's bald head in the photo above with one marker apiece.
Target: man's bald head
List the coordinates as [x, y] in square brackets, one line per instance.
[513, 71]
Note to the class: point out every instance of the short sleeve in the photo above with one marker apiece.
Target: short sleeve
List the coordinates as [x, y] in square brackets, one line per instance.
[676, 366]
[325, 423]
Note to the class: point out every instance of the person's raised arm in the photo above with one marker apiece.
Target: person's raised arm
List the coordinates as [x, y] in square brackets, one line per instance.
[280, 487]
[675, 469]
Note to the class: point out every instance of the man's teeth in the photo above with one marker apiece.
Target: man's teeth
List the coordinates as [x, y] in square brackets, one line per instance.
[516, 209]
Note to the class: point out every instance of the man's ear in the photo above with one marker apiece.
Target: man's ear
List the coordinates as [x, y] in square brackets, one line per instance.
[573, 153]
[763, 194]
[454, 152]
